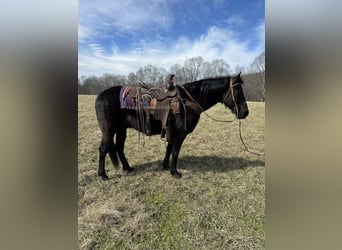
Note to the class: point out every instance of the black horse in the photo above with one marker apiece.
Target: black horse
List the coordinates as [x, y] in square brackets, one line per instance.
[207, 92]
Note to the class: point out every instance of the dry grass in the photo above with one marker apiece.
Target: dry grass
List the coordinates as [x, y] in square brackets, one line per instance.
[218, 204]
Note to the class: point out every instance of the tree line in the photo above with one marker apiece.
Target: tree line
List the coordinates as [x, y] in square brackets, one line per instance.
[191, 70]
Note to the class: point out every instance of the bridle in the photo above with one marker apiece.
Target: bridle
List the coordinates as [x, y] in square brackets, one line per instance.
[231, 90]
[196, 106]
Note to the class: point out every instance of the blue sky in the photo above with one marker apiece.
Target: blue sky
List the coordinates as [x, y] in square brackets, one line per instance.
[120, 36]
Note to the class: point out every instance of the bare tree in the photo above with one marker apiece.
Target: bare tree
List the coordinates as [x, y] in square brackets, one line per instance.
[192, 68]
[150, 74]
[108, 80]
[177, 70]
[207, 70]
[132, 79]
[162, 76]
[196, 68]
[258, 67]
[220, 67]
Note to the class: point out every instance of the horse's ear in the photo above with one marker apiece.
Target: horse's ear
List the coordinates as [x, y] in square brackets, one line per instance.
[239, 75]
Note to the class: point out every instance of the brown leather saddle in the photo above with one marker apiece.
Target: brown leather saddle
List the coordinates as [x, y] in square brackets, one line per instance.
[161, 102]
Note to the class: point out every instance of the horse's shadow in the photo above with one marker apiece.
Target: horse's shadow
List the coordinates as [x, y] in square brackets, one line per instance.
[203, 164]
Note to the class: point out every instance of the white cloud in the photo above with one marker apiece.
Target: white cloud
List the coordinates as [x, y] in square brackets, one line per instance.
[96, 48]
[216, 43]
[235, 20]
[83, 33]
[260, 33]
[123, 15]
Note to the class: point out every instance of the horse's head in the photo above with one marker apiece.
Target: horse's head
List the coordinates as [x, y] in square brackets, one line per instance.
[234, 98]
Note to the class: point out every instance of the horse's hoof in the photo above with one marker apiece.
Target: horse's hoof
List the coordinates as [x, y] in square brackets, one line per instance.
[129, 169]
[104, 177]
[176, 174]
[166, 168]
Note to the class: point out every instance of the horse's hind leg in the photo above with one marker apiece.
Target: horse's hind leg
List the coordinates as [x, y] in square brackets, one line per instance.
[107, 145]
[120, 145]
[103, 150]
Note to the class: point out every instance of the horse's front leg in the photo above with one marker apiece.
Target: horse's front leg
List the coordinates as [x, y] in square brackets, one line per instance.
[167, 156]
[177, 144]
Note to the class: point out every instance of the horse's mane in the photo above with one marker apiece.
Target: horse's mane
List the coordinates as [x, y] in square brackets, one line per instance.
[208, 84]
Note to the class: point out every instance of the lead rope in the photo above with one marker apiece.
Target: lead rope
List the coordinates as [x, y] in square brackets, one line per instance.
[137, 114]
[240, 133]
[140, 116]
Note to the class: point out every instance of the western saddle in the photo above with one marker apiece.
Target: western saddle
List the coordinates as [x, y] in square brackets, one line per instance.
[160, 102]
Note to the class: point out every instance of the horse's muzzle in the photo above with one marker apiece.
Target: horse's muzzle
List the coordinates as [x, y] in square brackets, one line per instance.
[243, 113]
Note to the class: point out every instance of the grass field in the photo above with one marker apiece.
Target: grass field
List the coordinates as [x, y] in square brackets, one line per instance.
[218, 204]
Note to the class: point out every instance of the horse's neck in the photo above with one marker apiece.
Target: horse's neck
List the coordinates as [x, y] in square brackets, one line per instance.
[207, 100]
[207, 104]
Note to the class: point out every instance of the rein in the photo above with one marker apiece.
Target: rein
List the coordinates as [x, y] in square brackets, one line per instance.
[231, 90]
[200, 107]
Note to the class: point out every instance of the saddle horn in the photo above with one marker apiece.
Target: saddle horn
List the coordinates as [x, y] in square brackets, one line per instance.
[169, 85]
